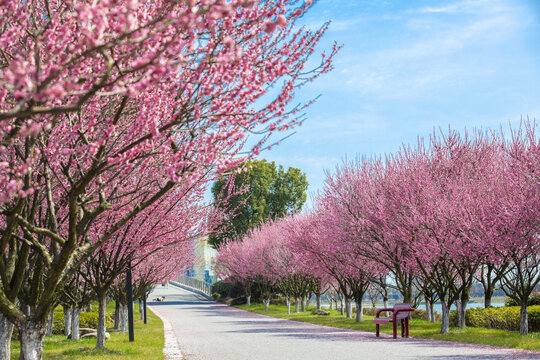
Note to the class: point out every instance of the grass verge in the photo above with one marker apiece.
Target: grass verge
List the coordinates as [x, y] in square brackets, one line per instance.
[148, 343]
[418, 328]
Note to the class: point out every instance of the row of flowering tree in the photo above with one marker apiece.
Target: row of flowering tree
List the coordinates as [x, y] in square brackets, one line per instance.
[429, 220]
[110, 110]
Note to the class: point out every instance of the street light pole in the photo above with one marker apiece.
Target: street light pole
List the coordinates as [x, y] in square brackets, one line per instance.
[129, 291]
[144, 306]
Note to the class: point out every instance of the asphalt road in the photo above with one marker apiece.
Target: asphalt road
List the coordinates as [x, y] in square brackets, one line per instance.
[206, 330]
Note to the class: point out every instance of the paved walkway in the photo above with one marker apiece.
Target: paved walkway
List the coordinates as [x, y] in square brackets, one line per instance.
[207, 330]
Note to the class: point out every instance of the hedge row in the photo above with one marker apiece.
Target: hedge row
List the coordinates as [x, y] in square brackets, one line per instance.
[86, 320]
[534, 299]
[504, 318]
[221, 289]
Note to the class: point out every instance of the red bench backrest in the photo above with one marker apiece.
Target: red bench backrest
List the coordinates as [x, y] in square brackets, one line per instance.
[404, 314]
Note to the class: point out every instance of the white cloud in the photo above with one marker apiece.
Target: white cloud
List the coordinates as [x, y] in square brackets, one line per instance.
[465, 7]
[434, 54]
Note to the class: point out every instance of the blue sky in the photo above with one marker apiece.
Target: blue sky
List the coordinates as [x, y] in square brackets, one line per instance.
[408, 67]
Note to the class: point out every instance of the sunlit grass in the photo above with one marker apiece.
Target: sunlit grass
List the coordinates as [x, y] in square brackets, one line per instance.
[148, 344]
[418, 328]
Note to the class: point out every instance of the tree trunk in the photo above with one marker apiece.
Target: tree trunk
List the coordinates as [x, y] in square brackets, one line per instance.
[297, 305]
[303, 303]
[385, 302]
[116, 315]
[407, 292]
[487, 298]
[359, 311]
[31, 336]
[432, 311]
[67, 320]
[523, 319]
[462, 309]
[141, 310]
[308, 300]
[319, 302]
[6, 330]
[123, 318]
[75, 312]
[288, 300]
[445, 325]
[50, 323]
[266, 302]
[341, 309]
[428, 309]
[348, 307]
[101, 328]
[89, 308]
[248, 300]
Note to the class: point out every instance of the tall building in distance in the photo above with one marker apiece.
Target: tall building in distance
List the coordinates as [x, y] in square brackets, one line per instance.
[203, 264]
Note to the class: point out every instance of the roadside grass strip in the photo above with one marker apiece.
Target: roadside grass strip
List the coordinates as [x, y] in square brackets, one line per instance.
[148, 344]
[418, 328]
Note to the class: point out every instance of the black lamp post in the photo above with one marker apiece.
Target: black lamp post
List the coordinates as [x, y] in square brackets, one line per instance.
[129, 291]
[144, 306]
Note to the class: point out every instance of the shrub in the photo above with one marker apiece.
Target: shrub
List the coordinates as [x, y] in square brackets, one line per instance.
[504, 318]
[422, 314]
[320, 312]
[222, 288]
[86, 320]
[370, 311]
[534, 299]
[236, 301]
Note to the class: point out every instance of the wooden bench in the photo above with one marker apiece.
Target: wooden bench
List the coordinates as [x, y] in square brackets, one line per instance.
[399, 312]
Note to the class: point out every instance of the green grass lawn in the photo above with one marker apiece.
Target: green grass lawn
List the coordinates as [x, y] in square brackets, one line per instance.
[418, 328]
[148, 344]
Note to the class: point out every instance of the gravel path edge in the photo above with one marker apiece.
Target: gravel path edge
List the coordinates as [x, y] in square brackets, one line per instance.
[171, 350]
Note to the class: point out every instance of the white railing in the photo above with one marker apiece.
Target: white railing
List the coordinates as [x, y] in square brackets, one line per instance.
[195, 284]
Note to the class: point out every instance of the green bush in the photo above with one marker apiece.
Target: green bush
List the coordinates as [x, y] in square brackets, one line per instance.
[504, 318]
[534, 299]
[370, 311]
[86, 320]
[236, 301]
[222, 288]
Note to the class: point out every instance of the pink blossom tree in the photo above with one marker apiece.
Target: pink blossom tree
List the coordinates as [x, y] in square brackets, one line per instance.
[358, 194]
[515, 222]
[324, 237]
[296, 277]
[440, 212]
[169, 225]
[232, 264]
[128, 99]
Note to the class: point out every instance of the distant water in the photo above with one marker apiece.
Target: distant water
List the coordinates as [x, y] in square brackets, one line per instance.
[438, 307]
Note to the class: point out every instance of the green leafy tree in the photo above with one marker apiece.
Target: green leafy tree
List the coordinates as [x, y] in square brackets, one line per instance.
[271, 192]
